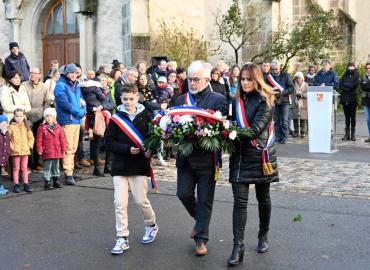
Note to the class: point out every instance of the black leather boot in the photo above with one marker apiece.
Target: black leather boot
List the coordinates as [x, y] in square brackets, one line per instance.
[56, 183]
[346, 135]
[353, 131]
[237, 255]
[47, 185]
[98, 172]
[262, 246]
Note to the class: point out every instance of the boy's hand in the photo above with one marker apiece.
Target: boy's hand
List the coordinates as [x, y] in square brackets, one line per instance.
[134, 150]
[148, 153]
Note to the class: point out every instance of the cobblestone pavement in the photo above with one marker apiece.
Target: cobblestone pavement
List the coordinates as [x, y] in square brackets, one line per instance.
[334, 178]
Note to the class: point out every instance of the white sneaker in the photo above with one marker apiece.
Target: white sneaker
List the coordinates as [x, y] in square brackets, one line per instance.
[121, 245]
[150, 234]
[160, 159]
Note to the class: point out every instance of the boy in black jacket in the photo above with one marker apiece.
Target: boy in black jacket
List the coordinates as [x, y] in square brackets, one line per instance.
[130, 165]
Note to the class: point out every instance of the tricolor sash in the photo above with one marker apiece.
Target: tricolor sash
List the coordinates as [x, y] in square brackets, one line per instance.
[275, 83]
[135, 136]
[242, 122]
[192, 110]
[189, 99]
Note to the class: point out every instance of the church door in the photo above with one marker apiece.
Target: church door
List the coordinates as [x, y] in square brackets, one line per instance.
[61, 35]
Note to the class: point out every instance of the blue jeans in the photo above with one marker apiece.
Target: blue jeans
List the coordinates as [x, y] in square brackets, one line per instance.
[367, 117]
[282, 122]
[51, 169]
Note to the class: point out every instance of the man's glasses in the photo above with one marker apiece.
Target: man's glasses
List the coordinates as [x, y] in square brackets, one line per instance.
[195, 79]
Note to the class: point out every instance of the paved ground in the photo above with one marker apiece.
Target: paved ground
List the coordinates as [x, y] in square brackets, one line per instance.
[73, 227]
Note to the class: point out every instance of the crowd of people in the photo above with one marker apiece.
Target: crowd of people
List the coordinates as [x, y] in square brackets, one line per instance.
[45, 120]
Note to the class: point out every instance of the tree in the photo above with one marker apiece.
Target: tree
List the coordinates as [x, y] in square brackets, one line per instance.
[179, 44]
[236, 29]
[309, 40]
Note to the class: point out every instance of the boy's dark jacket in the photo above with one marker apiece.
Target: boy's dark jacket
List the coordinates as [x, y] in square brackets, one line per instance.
[123, 162]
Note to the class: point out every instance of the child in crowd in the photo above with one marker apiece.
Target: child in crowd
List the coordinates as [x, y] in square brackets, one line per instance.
[21, 142]
[4, 147]
[51, 144]
[130, 165]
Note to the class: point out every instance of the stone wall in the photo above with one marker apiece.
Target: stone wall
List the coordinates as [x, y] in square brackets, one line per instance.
[6, 34]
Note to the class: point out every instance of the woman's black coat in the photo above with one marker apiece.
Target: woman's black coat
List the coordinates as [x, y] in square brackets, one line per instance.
[348, 87]
[246, 162]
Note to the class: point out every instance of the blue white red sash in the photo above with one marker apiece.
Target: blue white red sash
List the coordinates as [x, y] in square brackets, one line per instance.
[189, 99]
[135, 136]
[275, 83]
[129, 129]
[192, 110]
[242, 122]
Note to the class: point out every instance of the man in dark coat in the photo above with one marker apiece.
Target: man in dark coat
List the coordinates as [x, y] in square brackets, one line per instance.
[282, 84]
[16, 61]
[198, 169]
[326, 76]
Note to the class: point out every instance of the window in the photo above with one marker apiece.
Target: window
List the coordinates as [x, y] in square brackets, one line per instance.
[61, 19]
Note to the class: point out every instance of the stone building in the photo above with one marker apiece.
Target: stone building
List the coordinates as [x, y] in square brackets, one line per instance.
[94, 32]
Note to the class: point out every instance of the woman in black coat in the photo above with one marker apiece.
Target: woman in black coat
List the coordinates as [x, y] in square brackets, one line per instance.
[252, 109]
[215, 82]
[348, 98]
[365, 100]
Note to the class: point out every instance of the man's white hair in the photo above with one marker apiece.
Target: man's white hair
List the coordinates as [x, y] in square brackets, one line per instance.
[275, 63]
[130, 70]
[200, 66]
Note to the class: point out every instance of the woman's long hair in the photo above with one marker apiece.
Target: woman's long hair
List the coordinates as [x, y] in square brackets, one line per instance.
[232, 79]
[261, 87]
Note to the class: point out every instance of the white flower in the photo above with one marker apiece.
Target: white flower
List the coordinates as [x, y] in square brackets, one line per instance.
[232, 135]
[186, 119]
[218, 115]
[164, 122]
[226, 124]
[207, 132]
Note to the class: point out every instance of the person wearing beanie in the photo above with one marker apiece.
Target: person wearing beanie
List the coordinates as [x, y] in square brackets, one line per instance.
[51, 145]
[71, 109]
[16, 61]
[4, 148]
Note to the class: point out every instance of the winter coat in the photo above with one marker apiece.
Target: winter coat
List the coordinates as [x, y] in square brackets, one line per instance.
[284, 79]
[206, 99]
[21, 139]
[108, 103]
[12, 99]
[365, 86]
[348, 87]
[92, 94]
[51, 143]
[18, 63]
[40, 99]
[147, 98]
[300, 101]
[123, 162]
[4, 148]
[246, 162]
[163, 94]
[310, 79]
[218, 87]
[68, 102]
[159, 73]
[329, 78]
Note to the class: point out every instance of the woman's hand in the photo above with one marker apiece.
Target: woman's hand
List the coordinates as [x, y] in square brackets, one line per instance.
[134, 150]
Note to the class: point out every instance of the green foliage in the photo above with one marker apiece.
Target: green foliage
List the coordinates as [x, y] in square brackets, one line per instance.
[298, 218]
[185, 148]
[209, 143]
[308, 41]
[238, 29]
[180, 44]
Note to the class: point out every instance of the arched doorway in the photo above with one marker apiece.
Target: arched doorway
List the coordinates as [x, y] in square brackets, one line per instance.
[60, 35]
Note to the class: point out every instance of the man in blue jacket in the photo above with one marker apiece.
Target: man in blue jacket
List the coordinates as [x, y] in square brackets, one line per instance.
[71, 108]
[326, 76]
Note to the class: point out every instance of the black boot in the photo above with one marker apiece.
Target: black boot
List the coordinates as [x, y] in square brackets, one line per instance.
[16, 188]
[262, 246]
[346, 135]
[353, 131]
[98, 172]
[47, 185]
[27, 188]
[56, 183]
[107, 169]
[237, 254]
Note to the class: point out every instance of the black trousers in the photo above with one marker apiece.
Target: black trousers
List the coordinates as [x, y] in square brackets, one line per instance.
[350, 114]
[95, 149]
[200, 208]
[241, 192]
[35, 157]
